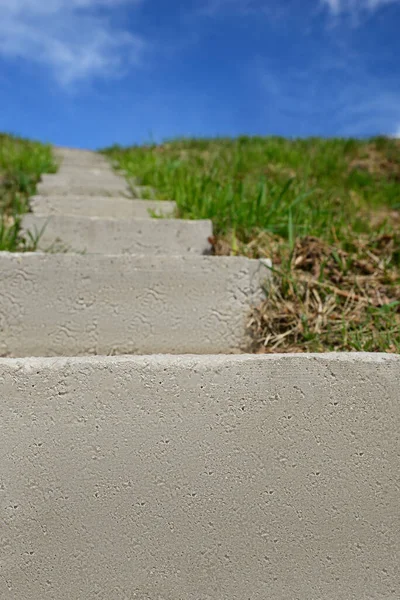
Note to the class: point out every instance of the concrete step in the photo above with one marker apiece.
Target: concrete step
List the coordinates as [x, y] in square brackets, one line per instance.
[83, 178]
[92, 188]
[77, 172]
[117, 236]
[92, 163]
[94, 206]
[73, 154]
[93, 174]
[88, 161]
[226, 478]
[78, 155]
[68, 151]
[69, 305]
[72, 171]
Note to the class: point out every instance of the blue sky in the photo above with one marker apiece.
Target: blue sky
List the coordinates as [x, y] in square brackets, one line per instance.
[90, 73]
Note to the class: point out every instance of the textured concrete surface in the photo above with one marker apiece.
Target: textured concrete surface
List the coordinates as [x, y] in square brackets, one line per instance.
[89, 188]
[99, 163]
[212, 478]
[74, 304]
[95, 206]
[83, 178]
[92, 173]
[84, 160]
[71, 171]
[69, 155]
[65, 151]
[117, 236]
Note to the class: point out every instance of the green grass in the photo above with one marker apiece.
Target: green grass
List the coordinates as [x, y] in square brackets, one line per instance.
[286, 187]
[326, 211]
[21, 164]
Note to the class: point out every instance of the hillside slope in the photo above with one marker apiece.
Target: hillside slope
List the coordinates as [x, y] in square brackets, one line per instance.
[327, 211]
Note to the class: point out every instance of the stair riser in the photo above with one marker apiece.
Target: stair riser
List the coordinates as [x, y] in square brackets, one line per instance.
[83, 189]
[119, 208]
[70, 305]
[191, 478]
[119, 236]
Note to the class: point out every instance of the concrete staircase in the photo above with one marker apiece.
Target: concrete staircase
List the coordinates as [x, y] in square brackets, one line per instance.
[120, 282]
[193, 470]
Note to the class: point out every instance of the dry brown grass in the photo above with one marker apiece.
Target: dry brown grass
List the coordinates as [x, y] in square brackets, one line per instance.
[322, 296]
[376, 162]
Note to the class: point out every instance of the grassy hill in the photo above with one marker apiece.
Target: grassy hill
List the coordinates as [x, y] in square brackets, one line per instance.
[327, 211]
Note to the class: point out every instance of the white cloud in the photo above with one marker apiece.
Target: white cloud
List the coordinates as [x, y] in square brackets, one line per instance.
[74, 38]
[338, 7]
[396, 134]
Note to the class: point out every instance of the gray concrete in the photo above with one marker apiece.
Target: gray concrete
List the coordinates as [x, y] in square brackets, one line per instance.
[83, 188]
[66, 305]
[212, 478]
[65, 151]
[117, 236]
[69, 170]
[95, 176]
[88, 159]
[95, 162]
[87, 180]
[121, 208]
[89, 169]
[72, 171]
[77, 155]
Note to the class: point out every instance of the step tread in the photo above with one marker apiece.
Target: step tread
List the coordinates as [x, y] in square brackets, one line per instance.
[61, 178]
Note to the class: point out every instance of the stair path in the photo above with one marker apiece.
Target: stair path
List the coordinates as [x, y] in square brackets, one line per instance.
[191, 473]
[116, 285]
